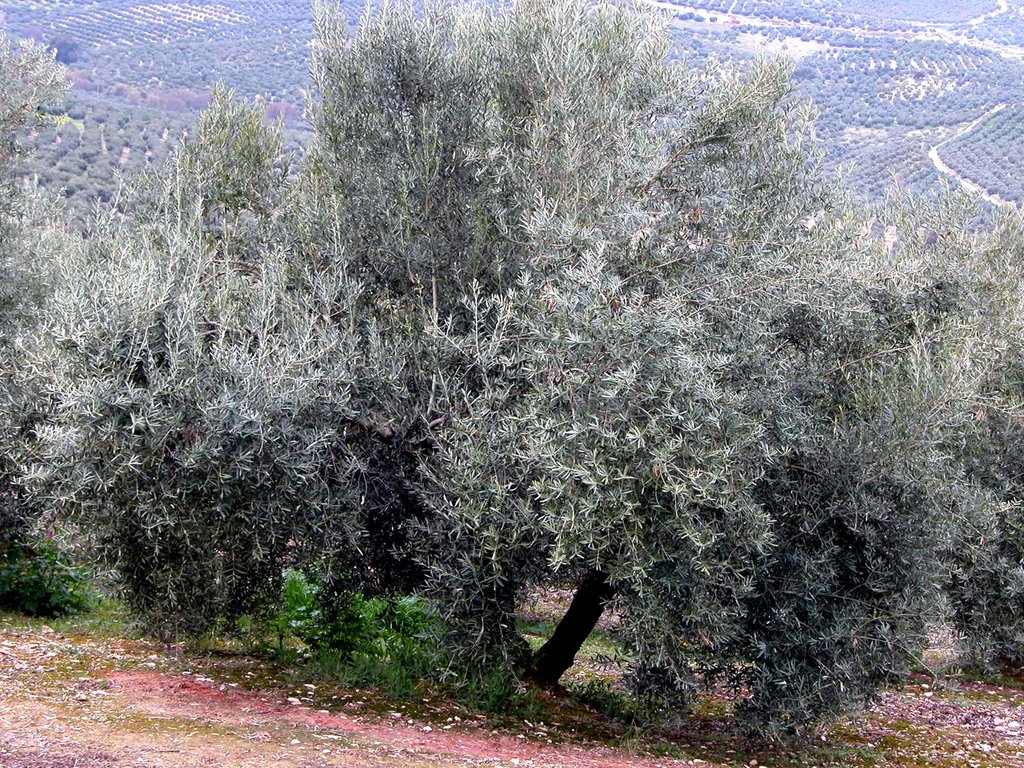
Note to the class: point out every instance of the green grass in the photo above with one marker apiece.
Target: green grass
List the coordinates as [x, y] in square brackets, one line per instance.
[105, 619]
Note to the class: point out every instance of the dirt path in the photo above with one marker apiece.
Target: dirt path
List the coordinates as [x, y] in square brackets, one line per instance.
[72, 701]
[105, 702]
[1002, 6]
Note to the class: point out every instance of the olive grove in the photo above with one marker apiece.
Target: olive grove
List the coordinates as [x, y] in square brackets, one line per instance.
[538, 307]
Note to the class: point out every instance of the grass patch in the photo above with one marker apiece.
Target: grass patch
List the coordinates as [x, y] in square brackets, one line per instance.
[104, 619]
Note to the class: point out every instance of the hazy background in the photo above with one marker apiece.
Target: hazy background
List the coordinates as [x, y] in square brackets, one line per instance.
[909, 91]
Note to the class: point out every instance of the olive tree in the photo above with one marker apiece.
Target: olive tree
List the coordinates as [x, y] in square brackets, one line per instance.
[29, 80]
[870, 488]
[494, 179]
[196, 398]
[985, 585]
[536, 307]
[638, 345]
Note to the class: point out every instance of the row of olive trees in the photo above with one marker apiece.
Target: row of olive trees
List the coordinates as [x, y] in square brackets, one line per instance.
[537, 307]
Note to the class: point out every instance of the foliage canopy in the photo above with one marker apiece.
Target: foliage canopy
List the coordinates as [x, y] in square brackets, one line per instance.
[540, 307]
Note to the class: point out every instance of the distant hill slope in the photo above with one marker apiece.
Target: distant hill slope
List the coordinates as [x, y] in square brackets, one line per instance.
[892, 79]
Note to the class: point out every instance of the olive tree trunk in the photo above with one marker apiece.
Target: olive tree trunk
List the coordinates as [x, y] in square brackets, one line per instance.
[553, 658]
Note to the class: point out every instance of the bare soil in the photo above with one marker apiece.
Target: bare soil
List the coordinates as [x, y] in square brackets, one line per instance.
[94, 701]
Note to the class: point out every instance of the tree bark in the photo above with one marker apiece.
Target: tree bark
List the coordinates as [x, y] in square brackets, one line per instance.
[558, 654]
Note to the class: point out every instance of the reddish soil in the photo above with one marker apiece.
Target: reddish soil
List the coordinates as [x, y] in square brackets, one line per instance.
[75, 701]
[164, 695]
[87, 701]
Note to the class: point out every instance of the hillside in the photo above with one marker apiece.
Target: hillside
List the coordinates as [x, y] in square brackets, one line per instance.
[892, 84]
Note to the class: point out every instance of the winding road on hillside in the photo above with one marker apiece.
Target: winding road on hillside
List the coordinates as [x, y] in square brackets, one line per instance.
[1002, 6]
[941, 167]
[935, 31]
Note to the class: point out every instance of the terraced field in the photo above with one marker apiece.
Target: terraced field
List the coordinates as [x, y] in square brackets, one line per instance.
[259, 46]
[950, 11]
[989, 154]
[891, 80]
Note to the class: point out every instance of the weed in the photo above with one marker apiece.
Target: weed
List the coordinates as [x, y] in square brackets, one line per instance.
[41, 580]
[611, 702]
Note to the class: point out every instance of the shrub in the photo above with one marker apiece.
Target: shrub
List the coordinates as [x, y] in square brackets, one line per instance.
[386, 642]
[41, 580]
[348, 623]
[398, 650]
[297, 611]
[610, 701]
